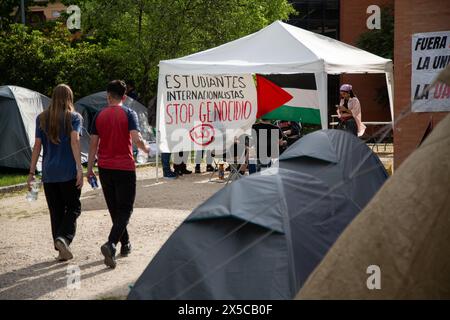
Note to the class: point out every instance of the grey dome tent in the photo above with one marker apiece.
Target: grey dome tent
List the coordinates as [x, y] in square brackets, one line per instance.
[90, 105]
[344, 162]
[261, 236]
[19, 108]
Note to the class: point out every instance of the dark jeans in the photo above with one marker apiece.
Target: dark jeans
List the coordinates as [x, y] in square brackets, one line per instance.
[119, 189]
[165, 159]
[252, 167]
[349, 126]
[63, 200]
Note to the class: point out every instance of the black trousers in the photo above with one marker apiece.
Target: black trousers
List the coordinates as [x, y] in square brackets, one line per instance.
[63, 200]
[119, 189]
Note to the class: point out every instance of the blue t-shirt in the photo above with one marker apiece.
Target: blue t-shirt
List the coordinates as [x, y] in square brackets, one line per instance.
[58, 164]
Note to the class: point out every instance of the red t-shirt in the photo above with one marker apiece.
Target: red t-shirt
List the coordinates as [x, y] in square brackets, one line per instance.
[113, 125]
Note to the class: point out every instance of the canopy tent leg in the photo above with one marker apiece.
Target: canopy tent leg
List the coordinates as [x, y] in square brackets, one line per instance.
[390, 88]
[157, 155]
[322, 88]
[158, 133]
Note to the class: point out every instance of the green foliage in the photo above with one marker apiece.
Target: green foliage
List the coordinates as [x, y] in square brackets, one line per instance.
[7, 15]
[380, 41]
[39, 61]
[126, 39]
[22, 58]
[154, 30]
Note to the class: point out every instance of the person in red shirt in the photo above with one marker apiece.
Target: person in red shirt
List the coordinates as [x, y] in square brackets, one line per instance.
[113, 131]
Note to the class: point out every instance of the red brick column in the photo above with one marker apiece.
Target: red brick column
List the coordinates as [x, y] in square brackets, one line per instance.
[412, 16]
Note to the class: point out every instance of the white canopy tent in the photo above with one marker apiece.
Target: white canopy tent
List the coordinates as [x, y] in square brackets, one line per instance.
[281, 48]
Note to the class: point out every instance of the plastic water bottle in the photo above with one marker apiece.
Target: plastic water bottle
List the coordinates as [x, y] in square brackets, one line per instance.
[93, 182]
[32, 195]
[141, 157]
[153, 149]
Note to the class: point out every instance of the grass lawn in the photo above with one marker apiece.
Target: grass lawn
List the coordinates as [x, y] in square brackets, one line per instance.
[9, 179]
[12, 178]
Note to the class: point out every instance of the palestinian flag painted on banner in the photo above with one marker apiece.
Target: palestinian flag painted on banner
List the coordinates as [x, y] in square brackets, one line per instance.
[304, 106]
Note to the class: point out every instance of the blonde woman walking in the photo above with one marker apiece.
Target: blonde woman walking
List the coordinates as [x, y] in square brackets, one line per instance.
[58, 133]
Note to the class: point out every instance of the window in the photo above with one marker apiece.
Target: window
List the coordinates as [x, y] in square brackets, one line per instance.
[321, 16]
[36, 17]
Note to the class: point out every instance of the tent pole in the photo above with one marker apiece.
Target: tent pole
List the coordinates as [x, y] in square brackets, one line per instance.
[22, 11]
[158, 133]
[157, 153]
[322, 87]
[390, 87]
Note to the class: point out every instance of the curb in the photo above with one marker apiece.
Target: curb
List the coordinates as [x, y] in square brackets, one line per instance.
[151, 163]
[13, 188]
[23, 186]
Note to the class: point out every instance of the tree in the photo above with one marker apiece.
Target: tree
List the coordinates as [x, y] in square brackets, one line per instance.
[39, 61]
[381, 43]
[126, 40]
[147, 31]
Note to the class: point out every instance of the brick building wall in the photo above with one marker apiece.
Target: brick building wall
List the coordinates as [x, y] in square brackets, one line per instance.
[412, 16]
[353, 17]
[50, 10]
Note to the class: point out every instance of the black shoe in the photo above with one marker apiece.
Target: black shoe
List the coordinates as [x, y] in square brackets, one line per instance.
[125, 249]
[185, 171]
[177, 170]
[170, 175]
[109, 252]
[63, 248]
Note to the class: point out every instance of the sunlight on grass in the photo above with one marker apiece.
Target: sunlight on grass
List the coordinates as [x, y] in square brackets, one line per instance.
[12, 179]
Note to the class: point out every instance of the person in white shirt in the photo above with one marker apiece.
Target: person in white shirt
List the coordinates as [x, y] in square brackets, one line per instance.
[349, 112]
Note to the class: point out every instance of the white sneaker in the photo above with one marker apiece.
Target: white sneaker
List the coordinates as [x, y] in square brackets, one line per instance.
[63, 248]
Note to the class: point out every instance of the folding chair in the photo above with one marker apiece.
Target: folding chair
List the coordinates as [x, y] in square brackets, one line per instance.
[239, 163]
[215, 163]
[235, 172]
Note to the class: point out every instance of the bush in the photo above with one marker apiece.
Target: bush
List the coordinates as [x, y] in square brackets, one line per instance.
[39, 61]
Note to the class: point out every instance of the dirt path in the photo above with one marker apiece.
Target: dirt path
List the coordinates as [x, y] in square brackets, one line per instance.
[28, 269]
